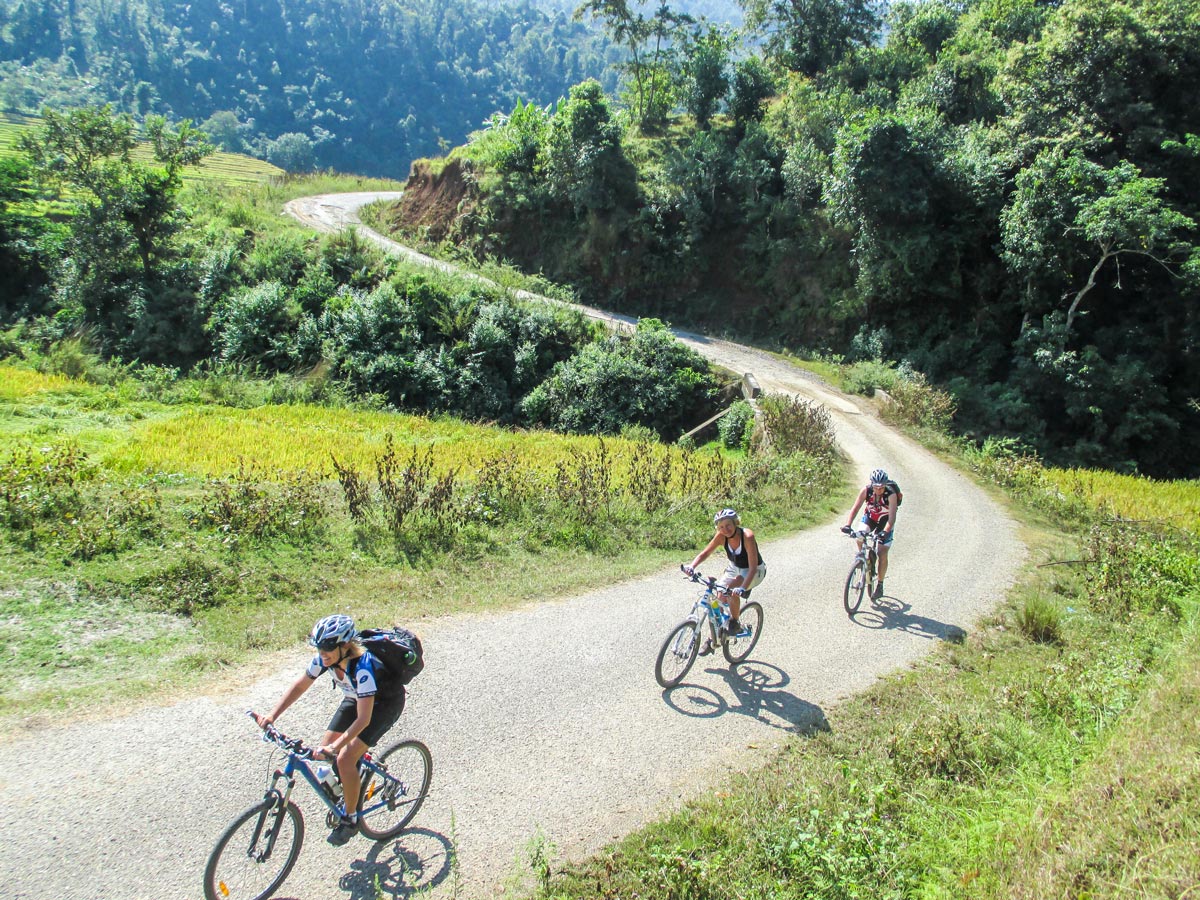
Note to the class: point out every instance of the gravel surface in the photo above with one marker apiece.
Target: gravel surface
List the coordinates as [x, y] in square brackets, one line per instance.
[545, 720]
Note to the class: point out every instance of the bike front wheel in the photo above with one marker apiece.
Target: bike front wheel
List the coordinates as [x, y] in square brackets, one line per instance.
[388, 802]
[856, 586]
[678, 653]
[738, 648]
[255, 853]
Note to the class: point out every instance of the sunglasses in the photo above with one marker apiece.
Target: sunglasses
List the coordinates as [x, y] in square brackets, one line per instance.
[327, 646]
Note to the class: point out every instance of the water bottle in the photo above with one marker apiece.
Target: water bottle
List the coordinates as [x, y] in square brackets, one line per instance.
[327, 775]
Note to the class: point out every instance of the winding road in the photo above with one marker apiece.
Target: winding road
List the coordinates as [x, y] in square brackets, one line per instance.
[545, 722]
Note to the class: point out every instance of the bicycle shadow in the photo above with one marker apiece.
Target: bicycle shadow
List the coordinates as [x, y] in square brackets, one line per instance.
[413, 863]
[892, 614]
[758, 692]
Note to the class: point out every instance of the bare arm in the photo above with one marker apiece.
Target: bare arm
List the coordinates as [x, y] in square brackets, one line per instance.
[703, 554]
[862, 497]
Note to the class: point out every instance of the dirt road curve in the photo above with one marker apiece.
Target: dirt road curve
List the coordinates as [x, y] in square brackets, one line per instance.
[543, 719]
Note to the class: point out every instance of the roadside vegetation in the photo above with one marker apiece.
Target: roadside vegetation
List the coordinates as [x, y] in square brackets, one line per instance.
[158, 529]
[1000, 192]
[1049, 753]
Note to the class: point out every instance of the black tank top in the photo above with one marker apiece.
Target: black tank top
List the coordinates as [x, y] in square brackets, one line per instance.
[741, 559]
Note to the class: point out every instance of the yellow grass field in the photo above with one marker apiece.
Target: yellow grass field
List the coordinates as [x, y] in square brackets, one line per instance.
[212, 441]
[1134, 496]
[19, 384]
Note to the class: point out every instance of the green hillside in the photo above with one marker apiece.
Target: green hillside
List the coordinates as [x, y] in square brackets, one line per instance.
[221, 167]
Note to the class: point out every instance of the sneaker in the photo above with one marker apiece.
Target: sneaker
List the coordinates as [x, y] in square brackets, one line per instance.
[878, 590]
[734, 627]
[345, 830]
[706, 648]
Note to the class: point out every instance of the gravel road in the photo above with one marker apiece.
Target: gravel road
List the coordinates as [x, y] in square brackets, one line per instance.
[543, 720]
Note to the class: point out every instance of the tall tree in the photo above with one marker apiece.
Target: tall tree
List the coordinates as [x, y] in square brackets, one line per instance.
[809, 36]
[116, 275]
[651, 42]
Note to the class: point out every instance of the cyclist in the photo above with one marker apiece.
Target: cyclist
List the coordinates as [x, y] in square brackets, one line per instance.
[371, 704]
[881, 499]
[746, 568]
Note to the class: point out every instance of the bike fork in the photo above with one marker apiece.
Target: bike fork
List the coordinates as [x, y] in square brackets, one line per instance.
[276, 811]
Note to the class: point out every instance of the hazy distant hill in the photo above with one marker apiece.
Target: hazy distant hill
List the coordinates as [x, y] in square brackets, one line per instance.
[310, 83]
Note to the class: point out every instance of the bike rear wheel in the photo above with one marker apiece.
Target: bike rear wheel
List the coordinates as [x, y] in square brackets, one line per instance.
[409, 767]
[856, 586]
[255, 853]
[737, 649]
[678, 653]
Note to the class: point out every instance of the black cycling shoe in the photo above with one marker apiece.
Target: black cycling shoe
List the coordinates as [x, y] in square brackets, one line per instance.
[706, 648]
[345, 830]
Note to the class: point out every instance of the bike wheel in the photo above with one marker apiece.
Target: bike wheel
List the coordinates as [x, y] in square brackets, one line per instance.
[409, 768]
[737, 649]
[246, 864]
[678, 653]
[856, 586]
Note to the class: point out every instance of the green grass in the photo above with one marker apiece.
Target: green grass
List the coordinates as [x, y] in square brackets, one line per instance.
[150, 543]
[1050, 754]
[221, 167]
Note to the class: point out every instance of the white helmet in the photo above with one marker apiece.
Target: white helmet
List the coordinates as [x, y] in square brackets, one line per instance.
[331, 631]
[727, 513]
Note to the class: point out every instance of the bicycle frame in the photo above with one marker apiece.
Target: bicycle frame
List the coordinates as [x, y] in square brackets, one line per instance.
[711, 605]
[869, 550]
[298, 757]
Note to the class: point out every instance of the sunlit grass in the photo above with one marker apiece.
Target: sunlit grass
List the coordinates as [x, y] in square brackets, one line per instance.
[1133, 496]
[211, 442]
[18, 384]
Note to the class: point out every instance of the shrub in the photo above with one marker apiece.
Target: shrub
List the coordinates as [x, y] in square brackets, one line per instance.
[1039, 620]
[251, 505]
[39, 485]
[797, 425]
[867, 376]
[736, 426]
[649, 379]
[916, 402]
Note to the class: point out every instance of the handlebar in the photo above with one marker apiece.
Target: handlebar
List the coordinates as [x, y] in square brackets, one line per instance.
[707, 580]
[294, 746]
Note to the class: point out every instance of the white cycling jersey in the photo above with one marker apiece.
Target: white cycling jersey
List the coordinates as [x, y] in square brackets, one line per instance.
[360, 677]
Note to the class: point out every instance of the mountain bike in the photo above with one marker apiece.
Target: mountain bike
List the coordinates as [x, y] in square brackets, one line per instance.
[682, 645]
[258, 849]
[861, 578]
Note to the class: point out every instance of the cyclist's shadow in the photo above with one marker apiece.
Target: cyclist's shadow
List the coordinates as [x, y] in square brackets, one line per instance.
[416, 861]
[893, 614]
[758, 692]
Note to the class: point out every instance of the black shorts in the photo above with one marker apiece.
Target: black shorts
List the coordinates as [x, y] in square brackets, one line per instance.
[383, 716]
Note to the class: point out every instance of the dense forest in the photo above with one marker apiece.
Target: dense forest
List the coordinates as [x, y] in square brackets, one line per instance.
[357, 87]
[999, 194]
